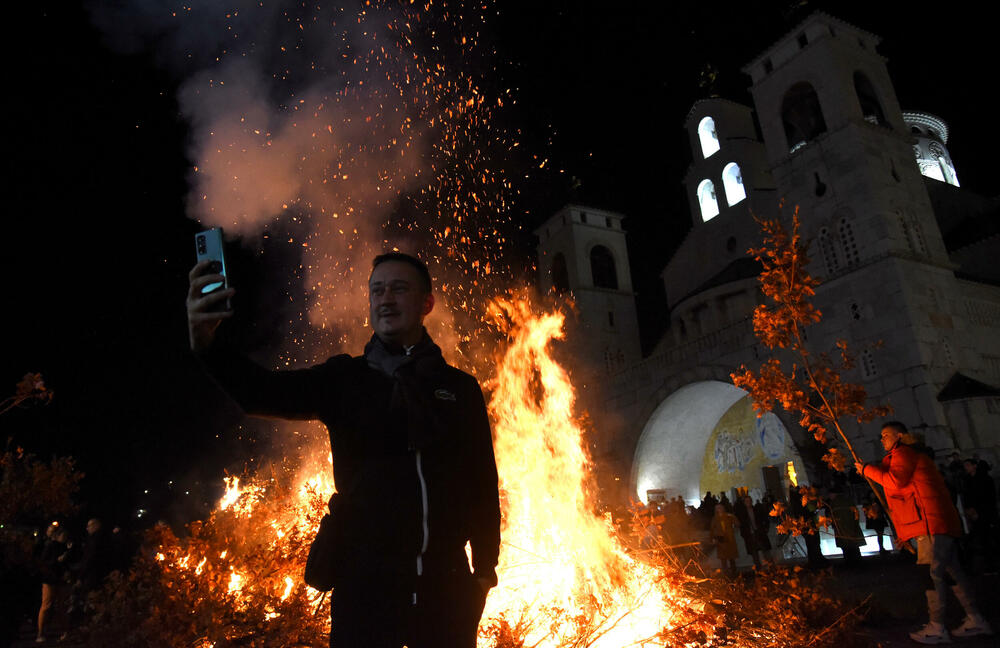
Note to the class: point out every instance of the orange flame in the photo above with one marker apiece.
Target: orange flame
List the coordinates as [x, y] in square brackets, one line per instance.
[558, 556]
[565, 579]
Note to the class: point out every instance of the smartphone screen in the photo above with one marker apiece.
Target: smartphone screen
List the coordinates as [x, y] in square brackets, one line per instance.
[208, 245]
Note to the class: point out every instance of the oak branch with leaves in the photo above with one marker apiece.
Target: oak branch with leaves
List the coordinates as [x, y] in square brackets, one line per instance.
[808, 384]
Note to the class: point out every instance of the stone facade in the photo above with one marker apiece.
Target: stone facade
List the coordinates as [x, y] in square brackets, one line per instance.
[914, 300]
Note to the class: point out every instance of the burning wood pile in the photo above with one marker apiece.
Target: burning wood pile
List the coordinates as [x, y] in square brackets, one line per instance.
[566, 578]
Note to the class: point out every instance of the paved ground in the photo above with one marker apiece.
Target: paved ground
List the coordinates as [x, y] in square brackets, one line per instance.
[897, 604]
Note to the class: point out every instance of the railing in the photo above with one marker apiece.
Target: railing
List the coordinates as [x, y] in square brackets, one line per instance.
[725, 340]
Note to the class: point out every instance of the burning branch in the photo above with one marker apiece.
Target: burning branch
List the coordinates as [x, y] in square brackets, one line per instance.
[234, 579]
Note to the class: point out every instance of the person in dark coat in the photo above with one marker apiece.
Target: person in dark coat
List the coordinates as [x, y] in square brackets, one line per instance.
[722, 530]
[404, 427]
[980, 501]
[749, 529]
[810, 534]
[95, 562]
[875, 520]
[52, 565]
[762, 511]
[848, 534]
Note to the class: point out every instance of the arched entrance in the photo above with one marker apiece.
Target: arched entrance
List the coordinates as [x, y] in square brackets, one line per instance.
[706, 436]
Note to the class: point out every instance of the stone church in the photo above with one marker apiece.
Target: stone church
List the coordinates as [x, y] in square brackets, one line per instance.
[907, 260]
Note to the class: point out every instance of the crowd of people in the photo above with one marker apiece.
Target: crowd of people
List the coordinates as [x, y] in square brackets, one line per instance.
[677, 526]
[680, 528]
[70, 568]
[944, 517]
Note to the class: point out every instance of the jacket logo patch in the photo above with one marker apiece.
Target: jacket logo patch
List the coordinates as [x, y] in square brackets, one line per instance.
[444, 394]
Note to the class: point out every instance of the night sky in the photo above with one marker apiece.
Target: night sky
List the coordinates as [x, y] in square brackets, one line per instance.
[98, 245]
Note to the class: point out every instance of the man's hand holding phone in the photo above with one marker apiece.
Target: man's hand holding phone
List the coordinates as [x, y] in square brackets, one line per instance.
[206, 311]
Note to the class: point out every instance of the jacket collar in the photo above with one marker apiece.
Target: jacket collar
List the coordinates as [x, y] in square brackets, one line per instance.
[389, 358]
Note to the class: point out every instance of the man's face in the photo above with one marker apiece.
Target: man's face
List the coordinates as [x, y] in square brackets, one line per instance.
[970, 467]
[397, 302]
[93, 526]
[889, 438]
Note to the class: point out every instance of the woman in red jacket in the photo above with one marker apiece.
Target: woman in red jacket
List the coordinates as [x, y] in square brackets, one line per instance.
[920, 507]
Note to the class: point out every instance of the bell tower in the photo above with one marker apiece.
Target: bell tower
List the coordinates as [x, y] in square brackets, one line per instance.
[582, 251]
[839, 147]
[840, 151]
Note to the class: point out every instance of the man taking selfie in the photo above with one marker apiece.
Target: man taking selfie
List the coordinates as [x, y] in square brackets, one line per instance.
[405, 429]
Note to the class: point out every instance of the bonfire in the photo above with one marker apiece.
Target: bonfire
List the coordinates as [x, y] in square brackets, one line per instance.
[567, 578]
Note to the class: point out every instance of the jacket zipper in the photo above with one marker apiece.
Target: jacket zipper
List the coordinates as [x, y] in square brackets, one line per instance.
[423, 503]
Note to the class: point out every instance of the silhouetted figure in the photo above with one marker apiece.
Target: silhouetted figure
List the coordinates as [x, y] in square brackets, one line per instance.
[89, 570]
[707, 507]
[707, 510]
[762, 513]
[722, 529]
[980, 501]
[749, 529]
[954, 476]
[52, 566]
[849, 536]
[95, 562]
[875, 520]
[810, 534]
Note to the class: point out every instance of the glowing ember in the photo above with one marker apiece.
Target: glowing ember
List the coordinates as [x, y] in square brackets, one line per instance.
[232, 492]
[235, 583]
[240, 500]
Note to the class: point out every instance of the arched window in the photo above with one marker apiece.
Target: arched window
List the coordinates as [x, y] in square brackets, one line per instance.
[801, 115]
[914, 236]
[709, 138]
[848, 243]
[829, 251]
[868, 367]
[706, 200]
[732, 182]
[945, 171]
[871, 109]
[560, 276]
[602, 268]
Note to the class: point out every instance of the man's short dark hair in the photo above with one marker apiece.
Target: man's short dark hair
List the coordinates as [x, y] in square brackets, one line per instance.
[895, 425]
[425, 274]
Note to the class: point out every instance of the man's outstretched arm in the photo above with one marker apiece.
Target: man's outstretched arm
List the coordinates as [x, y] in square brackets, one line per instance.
[296, 394]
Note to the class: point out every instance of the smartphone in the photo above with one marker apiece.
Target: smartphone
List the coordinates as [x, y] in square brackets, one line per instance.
[208, 246]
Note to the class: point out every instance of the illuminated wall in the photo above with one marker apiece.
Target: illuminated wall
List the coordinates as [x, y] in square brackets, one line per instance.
[741, 445]
[706, 436]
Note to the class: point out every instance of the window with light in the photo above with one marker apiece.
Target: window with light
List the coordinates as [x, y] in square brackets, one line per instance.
[732, 182]
[706, 200]
[709, 138]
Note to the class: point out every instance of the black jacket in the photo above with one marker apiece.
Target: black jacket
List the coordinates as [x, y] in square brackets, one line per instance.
[412, 452]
